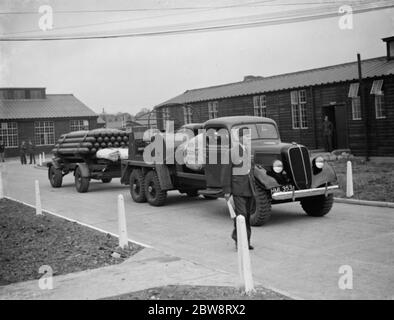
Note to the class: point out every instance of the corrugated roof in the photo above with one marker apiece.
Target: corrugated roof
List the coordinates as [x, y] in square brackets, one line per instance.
[343, 72]
[53, 106]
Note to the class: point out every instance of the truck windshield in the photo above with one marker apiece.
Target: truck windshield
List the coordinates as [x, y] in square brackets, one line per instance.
[261, 130]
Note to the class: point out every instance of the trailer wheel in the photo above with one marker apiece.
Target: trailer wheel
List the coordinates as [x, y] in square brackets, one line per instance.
[137, 186]
[55, 177]
[81, 183]
[154, 194]
[106, 180]
[261, 207]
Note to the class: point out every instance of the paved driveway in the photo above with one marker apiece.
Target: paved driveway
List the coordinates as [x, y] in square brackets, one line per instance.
[294, 253]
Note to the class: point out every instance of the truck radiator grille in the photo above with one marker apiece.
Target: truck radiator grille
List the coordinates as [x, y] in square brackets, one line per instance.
[300, 167]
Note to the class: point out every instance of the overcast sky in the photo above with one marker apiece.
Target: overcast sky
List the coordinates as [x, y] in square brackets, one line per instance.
[128, 74]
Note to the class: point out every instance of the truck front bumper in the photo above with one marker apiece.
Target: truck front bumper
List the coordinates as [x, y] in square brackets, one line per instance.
[295, 194]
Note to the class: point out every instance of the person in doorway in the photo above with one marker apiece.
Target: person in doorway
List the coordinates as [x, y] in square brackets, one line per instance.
[328, 129]
[2, 150]
[243, 191]
[22, 152]
[31, 149]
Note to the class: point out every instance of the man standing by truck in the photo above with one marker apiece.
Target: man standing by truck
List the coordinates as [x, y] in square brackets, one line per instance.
[2, 149]
[242, 185]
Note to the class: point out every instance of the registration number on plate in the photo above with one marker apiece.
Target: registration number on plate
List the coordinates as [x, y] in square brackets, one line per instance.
[285, 188]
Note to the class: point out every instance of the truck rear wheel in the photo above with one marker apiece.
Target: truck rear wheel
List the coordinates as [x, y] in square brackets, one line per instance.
[81, 183]
[137, 186]
[262, 207]
[153, 192]
[317, 206]
[55, 177]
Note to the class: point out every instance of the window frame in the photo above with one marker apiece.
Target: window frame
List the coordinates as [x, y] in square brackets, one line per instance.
[187, 115]
[359, 111]
[260, 105]
[213, 107]
[48, 128]
[299, 115]
[9, 133]
[79, 127]
[379, 98]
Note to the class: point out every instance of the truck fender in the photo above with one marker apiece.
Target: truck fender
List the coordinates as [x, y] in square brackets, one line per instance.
[126, 172]
[260, 175]
[326, 175]
[84, 169]
[164, 177]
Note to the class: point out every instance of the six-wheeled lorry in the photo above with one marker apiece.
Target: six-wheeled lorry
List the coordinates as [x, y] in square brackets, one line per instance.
[94, 154]
[283, 172]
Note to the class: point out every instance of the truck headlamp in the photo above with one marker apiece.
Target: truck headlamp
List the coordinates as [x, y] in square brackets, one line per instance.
[319, 162]
[277, 166]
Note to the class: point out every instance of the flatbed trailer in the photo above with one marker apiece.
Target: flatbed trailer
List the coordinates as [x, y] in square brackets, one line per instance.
[84, 169]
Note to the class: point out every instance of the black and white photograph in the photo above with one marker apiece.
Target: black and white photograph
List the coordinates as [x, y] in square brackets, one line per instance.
[199, 155]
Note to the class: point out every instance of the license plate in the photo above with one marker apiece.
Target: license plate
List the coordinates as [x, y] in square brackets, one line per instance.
[285, 188]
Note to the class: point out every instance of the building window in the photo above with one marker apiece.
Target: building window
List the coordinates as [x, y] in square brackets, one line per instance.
[35, 94]
[44, 132]
[77, 125]
[187, 115]
[298, 109]
[379, 99]
[379, 106]
[356, 106]
[165, 112]
[19, 94]
[260, 106]
[9, 134]
[213, 109]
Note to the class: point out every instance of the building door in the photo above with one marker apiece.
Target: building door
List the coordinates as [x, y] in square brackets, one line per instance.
[337, 115]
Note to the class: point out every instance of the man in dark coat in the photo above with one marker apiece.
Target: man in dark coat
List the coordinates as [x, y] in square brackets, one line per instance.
[22, 152]
[31, 149]
[328, 129]
[2, 149]
[242, 186]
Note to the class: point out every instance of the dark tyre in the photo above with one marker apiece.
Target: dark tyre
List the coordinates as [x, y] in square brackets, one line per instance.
[81, 183]
[55, 177]
[210, 197]
[192, 193]
[137, 186]
[317, 206]
[153, 192]
[261, 207]
[106, 180]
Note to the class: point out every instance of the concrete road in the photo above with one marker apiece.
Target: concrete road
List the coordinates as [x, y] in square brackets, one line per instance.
[294, 253]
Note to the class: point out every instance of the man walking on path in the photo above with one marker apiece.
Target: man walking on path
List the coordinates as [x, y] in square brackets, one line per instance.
[328, 129]
[31, 148]
[22, 152]
[242, 188]
[2, 150]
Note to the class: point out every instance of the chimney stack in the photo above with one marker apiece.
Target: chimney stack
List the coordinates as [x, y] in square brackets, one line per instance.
[390, 47]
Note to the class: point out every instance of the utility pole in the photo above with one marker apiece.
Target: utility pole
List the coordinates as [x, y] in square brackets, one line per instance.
[364, 108]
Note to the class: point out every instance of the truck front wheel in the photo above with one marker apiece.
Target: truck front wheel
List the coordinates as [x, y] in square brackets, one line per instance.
[81, 183]
[154, 194]
[317, 206]
[262, 207]
[137, 186]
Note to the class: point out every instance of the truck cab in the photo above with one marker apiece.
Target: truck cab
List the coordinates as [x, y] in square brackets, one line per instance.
[282, 172]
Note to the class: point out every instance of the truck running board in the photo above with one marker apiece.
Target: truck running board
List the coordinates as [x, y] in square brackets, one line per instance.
[211, 192]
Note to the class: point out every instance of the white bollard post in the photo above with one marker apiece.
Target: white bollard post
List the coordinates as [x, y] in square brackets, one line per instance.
[39, 160]
[1, 186]
[43, 156]
[123, 238]
[349, 180]
[243, 255]
[38, 199]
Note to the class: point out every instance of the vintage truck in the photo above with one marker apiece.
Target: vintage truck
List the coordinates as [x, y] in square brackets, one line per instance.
[283, 172]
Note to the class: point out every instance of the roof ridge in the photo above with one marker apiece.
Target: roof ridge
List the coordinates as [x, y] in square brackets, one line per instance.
[285, 74]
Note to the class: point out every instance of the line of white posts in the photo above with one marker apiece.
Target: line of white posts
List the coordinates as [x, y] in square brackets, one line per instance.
[41, 158]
